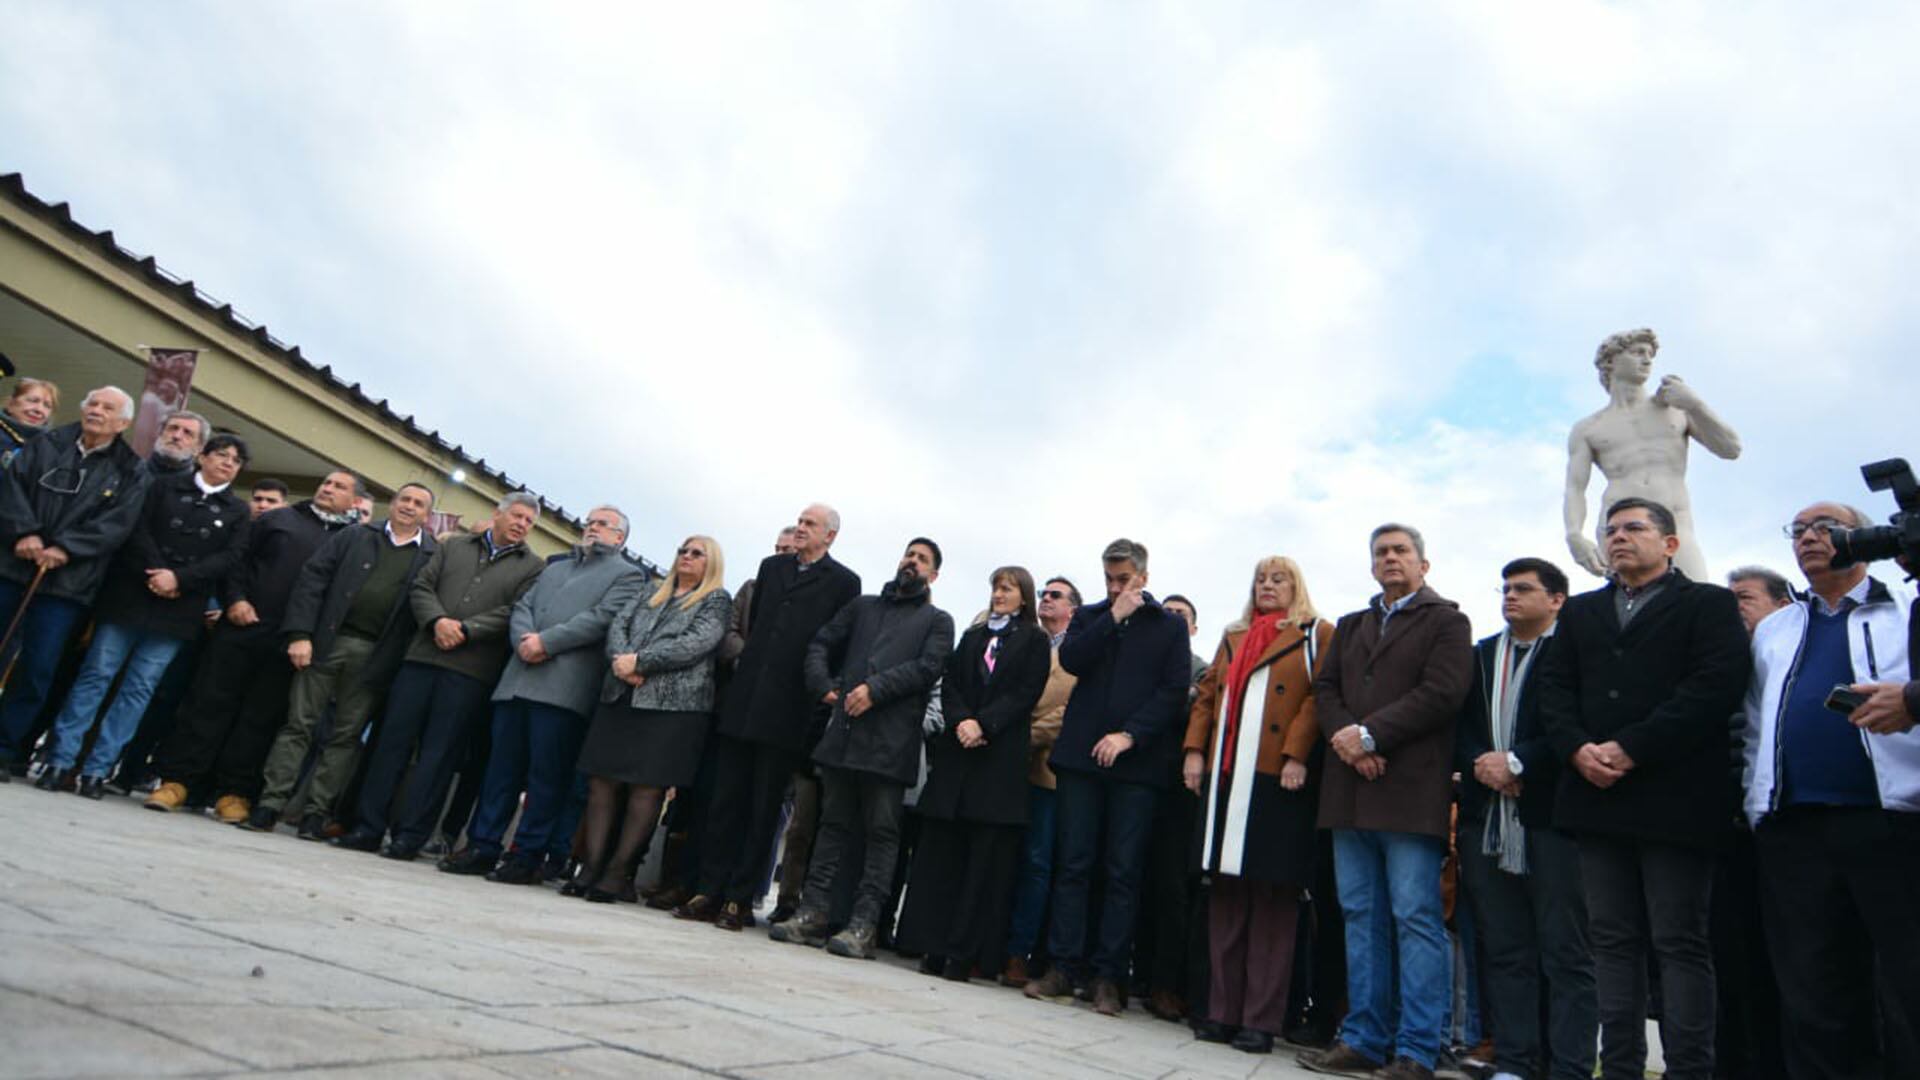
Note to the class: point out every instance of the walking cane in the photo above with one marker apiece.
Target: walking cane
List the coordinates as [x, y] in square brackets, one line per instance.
[19, 614]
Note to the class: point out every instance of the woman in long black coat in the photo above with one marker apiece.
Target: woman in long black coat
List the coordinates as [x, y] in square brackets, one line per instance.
[974, 808]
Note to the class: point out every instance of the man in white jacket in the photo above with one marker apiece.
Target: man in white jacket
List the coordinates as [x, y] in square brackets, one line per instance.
[1836, 816]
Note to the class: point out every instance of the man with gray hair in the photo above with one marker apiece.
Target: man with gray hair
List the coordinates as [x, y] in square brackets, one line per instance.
[558, 631]
[1761, 592]
[1387, 695]
[68, 500]
[1118, 750]
[181, 439]
[461, 603]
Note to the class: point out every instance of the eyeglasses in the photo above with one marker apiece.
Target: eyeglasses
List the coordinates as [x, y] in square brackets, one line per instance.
[64, 480]
[1796, 529]
[1053, 594]
[1519, 588]
[694, 551]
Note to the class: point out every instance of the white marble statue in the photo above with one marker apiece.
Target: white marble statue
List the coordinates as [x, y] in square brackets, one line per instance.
[1640, 444]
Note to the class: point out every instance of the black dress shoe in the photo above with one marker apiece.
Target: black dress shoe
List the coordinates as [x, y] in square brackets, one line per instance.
[597, 895]
[400, 851]
[314, 827]
[959, 969]
[733, 916]
[358, 840]
[1213, 1031]
[932, 965]
[1253, 1042]
[515, 872]
[261, 819]
[469, 862]
[698, 908]
[93, 787]
[52, 779]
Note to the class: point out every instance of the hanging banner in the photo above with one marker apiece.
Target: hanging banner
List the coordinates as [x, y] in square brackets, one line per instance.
[169, 379]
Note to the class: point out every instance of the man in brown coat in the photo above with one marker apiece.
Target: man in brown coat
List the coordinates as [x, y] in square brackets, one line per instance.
[1387, 693]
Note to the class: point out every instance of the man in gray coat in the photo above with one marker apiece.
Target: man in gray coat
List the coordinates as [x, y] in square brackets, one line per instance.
[874, 664]
[545, 696]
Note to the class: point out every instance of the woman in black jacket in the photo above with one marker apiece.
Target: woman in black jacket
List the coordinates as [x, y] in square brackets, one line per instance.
[974, 807]
[28, 411]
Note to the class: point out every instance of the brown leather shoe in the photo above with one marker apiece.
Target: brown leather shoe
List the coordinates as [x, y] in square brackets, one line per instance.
[733, 916]
[1053, 986]
[232, 809]
[1338, 1060]
[1167, 1005]
[1107, 1000]
[698, 908]
[1016, 972]
[167, 797]
[1402, 1069]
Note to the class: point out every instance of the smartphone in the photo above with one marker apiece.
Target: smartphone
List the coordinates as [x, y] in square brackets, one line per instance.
[1843, 699]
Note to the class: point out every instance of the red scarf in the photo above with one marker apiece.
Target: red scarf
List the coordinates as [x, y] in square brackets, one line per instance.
[1260, 634]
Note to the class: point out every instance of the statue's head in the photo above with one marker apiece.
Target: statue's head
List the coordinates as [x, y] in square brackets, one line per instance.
[1619, 343]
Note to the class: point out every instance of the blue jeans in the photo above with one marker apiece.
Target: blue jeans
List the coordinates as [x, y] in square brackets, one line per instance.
[145, 655]
[1092, 809]
[41, 639]
[535, 748]
[1036, 873]
[1390, 895]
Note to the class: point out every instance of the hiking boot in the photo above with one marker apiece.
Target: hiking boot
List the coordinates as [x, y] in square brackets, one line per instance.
[1053, 986]
[232, 809]
[167, 798]
[855, 942]
[261, 819]
[1338, 1060]
[1107, 999]
[806, 928]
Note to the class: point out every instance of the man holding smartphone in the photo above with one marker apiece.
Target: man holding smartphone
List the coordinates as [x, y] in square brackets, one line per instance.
[1836, 815]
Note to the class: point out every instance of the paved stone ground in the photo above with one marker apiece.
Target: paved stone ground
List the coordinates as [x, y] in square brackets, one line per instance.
[151, 944]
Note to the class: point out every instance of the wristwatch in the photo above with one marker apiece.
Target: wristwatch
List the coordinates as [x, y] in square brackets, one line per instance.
[1514, 764]
[1366, 739]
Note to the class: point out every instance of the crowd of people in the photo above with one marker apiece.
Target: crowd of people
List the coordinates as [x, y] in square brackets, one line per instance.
[1365, 834]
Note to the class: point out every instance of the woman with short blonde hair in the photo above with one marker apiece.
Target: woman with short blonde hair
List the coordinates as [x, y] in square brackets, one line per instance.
[28, 411]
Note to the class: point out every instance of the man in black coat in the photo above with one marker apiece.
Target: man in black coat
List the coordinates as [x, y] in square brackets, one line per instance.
[767, 724]
[347, 626]
[239, 696]
[1523, 874]
[190, 534]
[1119, 746]
[68, 500]
[1636, 693]
[874, 664]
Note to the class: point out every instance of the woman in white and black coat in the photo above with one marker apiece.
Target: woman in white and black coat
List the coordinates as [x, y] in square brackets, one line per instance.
[974, 808]
[655, 714]
[1253, 751]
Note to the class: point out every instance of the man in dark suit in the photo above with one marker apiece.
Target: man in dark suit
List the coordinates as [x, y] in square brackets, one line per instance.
[1523, 874]
[1636, 693]
[768, 722]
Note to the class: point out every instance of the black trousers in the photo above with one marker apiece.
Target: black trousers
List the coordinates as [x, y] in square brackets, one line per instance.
[960, 891]
[434, 710]
[229, 720]
[1164, 957]
[1840, 894]
[1641, 898]
[1533, 932]
[750, 779]
[1747, 1037]
[854, 808]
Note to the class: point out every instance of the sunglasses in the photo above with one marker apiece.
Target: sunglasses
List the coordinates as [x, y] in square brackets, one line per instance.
[1053, 594]
[690, 551]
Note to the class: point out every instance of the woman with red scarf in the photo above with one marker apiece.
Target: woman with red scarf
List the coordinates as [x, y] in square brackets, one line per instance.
[1253, 753]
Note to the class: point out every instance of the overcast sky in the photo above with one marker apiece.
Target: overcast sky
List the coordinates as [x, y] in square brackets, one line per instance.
[1230, 279]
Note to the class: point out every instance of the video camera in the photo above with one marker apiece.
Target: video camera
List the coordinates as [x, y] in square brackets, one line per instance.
[1900, 536]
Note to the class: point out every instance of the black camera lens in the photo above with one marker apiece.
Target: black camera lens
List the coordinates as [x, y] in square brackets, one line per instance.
[1864, 544]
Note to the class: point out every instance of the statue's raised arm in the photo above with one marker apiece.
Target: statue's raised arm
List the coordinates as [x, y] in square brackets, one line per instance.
[1640, 444]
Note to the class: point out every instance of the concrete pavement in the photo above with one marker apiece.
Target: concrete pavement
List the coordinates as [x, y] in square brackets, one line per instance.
[140, 943]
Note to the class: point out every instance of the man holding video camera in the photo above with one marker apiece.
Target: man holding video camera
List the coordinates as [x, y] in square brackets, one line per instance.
[1835, 806]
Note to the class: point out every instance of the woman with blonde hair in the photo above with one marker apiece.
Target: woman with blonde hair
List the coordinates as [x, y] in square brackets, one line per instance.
[655, 711]
[28, 411]
[1253, 753]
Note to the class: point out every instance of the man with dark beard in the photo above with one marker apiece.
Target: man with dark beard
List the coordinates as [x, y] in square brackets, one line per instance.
[890, 649]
